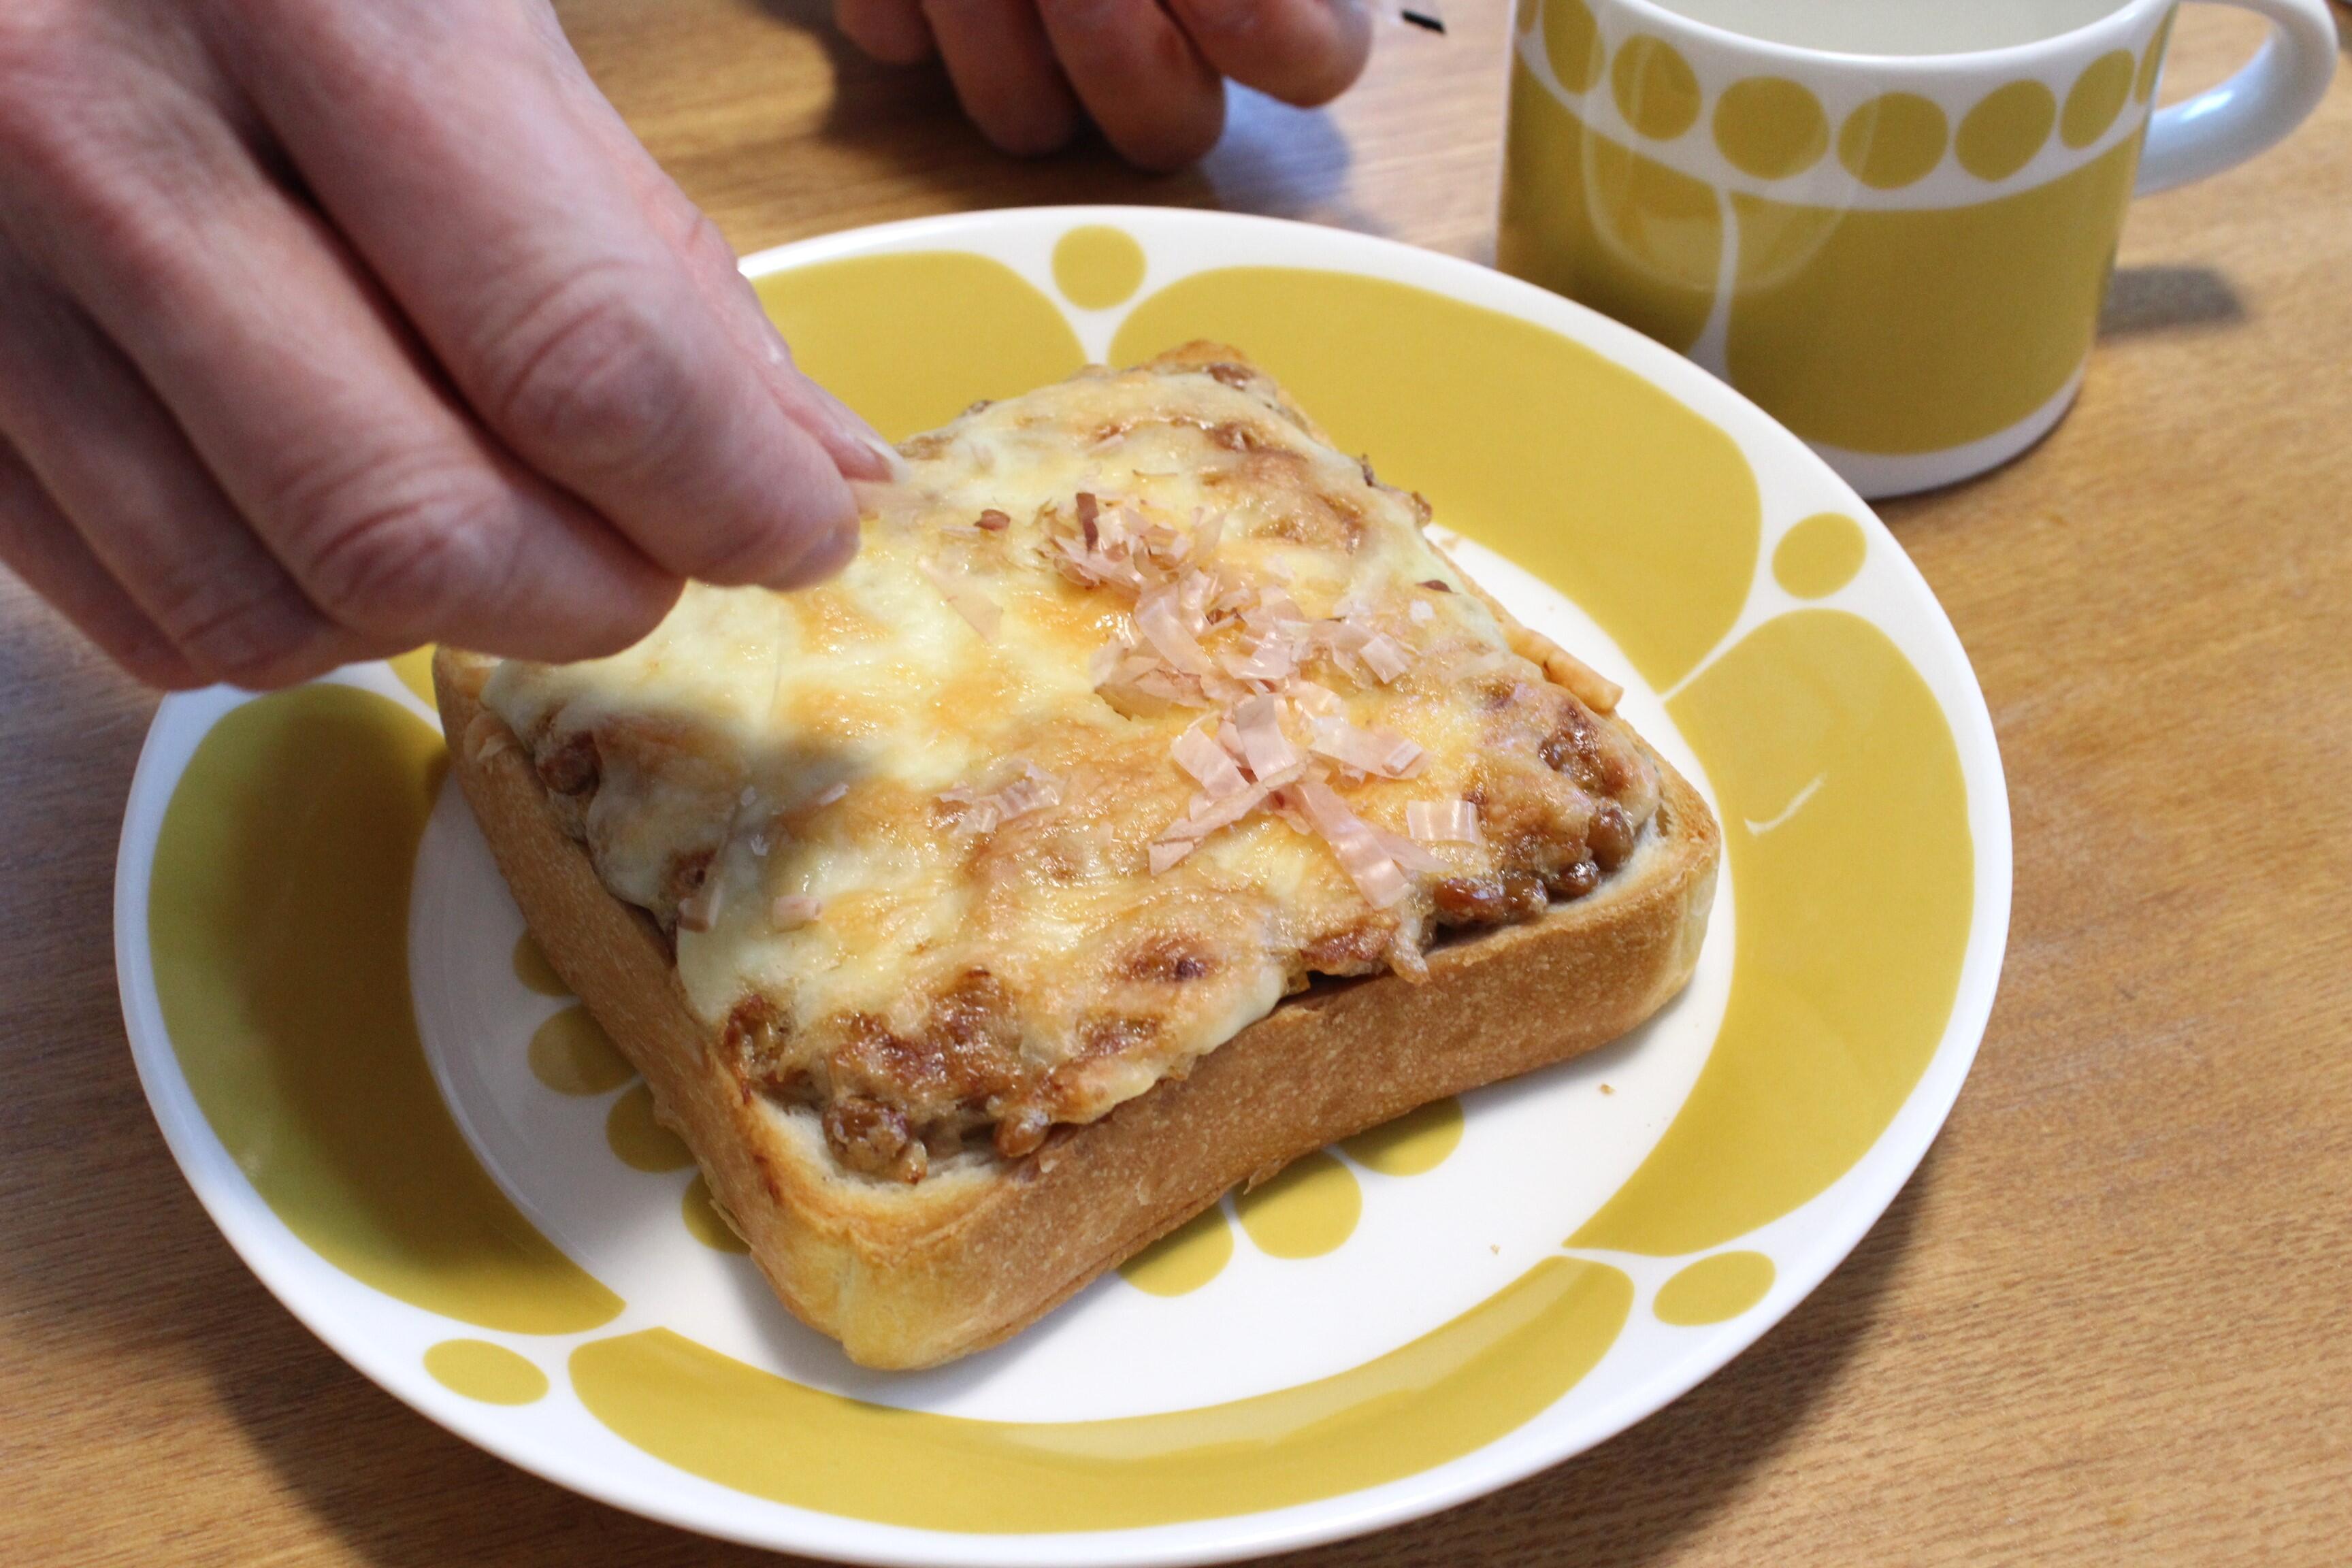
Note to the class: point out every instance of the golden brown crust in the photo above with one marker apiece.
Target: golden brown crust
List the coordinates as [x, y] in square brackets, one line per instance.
[909, 1276]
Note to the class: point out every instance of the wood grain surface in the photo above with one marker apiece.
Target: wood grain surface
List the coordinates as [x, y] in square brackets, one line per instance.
[2110, 1321]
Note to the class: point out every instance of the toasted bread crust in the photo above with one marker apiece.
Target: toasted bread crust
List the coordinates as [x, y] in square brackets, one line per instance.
[910, 1275]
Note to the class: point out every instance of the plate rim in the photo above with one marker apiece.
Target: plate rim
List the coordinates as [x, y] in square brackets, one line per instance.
[1861, 1194]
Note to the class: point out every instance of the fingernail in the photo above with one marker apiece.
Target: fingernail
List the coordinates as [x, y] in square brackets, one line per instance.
[857, 448]
[867, 456]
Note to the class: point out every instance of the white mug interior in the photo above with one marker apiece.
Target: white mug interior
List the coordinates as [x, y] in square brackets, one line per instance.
[1897, 26]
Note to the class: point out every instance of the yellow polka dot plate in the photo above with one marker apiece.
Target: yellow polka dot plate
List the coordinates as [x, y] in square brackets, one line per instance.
[431, 1154]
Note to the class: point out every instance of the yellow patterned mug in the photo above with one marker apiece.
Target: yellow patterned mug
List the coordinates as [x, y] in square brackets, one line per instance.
[1889, 222]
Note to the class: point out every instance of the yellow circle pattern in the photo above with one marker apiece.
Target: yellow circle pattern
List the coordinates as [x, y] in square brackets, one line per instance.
[1572, 44]
[705, 1220]
[1894, 139]
[1657, 91]
[1715, 1289]
[1321, 1207]
[1819, 555]
[1414, 1143]
[570, 1054]
[1770, 126]
[530, 967]
[1097, 266]
[640, 1142]
[1185, 1258]
[480, 1370]
[1307, 1211]
[2095, 99]
[2001, 133]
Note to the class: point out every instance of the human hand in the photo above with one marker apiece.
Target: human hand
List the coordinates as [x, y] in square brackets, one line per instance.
[1148, 72]
[328, 328]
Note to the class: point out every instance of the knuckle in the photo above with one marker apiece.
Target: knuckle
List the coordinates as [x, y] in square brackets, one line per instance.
[41, 79]
[248, 636]
[399, 561]
[135, 642]
[99, 163]
[163, 668]
[683, 226]
[32, 42]
[704, 246]
[584, 371]
[391, 543]
[734, 560]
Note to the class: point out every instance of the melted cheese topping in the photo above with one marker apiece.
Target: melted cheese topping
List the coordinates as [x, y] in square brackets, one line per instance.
[942, 842]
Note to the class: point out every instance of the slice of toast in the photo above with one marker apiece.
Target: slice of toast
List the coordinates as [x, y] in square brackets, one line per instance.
[910, 1275]
[911, 1272]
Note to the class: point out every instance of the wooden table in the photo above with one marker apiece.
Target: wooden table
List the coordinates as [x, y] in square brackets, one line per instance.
[2111, 1318]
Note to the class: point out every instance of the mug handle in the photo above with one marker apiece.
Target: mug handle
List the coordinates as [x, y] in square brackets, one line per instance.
[2228, 124]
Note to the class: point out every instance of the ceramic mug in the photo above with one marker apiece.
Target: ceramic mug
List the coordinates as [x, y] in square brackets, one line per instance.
[1892, 239]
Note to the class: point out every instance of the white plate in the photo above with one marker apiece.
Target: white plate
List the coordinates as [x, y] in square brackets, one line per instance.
[318, 971]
